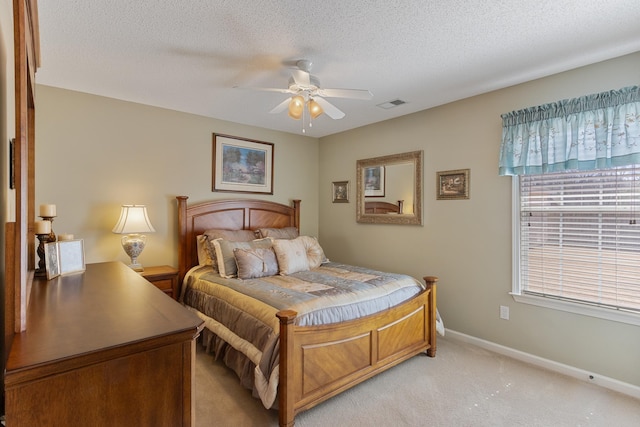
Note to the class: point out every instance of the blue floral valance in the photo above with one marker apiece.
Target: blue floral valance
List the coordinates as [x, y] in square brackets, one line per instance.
[591, 132]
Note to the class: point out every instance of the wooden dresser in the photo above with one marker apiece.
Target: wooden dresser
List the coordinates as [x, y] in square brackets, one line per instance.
[102, 348]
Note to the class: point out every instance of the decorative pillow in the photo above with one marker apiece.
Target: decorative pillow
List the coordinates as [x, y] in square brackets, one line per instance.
[232, 235]
[291, 255]
[204, 256]
[224, 254]
[315, 254]
[278, 233]
[259, 262]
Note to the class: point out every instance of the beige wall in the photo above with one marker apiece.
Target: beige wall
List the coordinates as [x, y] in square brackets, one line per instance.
[467, 243]
[96, 153]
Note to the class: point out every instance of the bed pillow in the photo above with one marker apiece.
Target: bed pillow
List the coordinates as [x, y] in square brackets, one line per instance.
[278, 233]
[232, 235]
[291, 255]
[227, 266]
[300, 254]
[204, 254]
[315, 254]
[258, 262]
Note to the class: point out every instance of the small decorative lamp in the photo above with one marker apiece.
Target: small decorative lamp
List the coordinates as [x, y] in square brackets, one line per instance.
[134, 221]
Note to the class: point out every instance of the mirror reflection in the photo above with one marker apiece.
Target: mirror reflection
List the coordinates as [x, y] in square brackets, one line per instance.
[389, 189]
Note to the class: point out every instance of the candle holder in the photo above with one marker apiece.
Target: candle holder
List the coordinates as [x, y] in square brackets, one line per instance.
[41, 271]
[52, 235]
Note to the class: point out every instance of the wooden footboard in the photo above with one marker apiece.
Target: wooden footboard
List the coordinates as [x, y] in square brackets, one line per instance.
[318, 362]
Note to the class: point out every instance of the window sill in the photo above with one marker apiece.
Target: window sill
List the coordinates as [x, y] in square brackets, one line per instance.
[583, 309]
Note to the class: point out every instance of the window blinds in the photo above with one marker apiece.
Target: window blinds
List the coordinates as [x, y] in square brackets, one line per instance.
[579, 240]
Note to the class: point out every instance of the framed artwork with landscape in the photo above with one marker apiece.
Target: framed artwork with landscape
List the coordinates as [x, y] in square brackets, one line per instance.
[242, 165]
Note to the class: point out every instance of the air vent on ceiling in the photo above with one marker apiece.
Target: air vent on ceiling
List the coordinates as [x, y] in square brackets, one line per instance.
[391, 104]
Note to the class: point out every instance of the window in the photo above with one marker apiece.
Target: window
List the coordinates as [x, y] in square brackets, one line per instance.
[577, 243]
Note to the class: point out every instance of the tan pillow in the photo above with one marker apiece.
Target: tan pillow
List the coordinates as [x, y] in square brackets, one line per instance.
[227, 266]
[204, 256]
[232, 235]
[278, 233]
[315, 254]
[291, 256]
[259, 262]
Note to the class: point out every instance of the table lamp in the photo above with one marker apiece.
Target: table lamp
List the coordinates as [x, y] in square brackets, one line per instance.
[134, 221]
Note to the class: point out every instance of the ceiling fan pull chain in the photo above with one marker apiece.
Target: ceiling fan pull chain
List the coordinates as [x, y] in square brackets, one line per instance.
[303, 116]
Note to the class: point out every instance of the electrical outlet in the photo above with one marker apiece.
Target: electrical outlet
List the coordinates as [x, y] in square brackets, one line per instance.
[504, 312]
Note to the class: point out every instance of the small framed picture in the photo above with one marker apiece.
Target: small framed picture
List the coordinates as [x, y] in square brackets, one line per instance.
[52, 262]
[374, 181]
[71, 256]
[453, 184]
[340, 191]
[64, 257]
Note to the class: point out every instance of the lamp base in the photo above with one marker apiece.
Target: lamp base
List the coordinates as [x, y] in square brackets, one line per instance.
[136, 267]
[133, 244]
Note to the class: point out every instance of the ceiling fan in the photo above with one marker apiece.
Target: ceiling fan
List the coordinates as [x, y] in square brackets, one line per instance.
[305, 90]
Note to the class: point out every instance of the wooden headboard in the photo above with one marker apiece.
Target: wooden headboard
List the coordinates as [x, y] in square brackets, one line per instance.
[230, 214]
[380, 207]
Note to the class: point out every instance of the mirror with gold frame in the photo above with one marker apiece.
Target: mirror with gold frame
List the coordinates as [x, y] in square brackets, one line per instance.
[389, 189]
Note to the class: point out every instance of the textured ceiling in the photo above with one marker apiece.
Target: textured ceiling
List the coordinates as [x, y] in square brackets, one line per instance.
[188, 55]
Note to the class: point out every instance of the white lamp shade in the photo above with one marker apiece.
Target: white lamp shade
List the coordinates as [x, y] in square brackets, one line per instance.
[133, 220]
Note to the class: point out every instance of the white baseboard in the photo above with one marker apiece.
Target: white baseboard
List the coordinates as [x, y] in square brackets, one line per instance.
[590, 377]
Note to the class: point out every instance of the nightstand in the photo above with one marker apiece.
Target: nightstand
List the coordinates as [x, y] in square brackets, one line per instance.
[164, 278]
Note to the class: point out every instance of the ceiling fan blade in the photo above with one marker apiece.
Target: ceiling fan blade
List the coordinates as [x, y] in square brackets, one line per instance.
[265, 89]
[346, 93]
[329, 109]
[301, 78]
[281, 107]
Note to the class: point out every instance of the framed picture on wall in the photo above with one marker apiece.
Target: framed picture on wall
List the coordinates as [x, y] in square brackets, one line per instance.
[242, 165]
[374, 181]
[453, 184]
[340, 191]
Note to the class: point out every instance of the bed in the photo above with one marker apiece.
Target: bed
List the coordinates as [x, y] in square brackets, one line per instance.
[316, 362]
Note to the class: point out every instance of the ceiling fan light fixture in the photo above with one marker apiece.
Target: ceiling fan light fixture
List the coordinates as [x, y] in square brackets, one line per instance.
[315, 109]
[296, 107]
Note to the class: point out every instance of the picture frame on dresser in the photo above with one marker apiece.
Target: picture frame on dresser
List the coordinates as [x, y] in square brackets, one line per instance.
[242, 165]
[52, 264]
[66, 257]
[71, 256]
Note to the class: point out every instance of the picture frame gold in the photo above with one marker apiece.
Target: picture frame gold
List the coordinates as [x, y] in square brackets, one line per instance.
[453, 184]
[340, 191]
[242, 165]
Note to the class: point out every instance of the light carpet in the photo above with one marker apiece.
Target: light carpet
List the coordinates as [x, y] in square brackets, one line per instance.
[464, 385]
